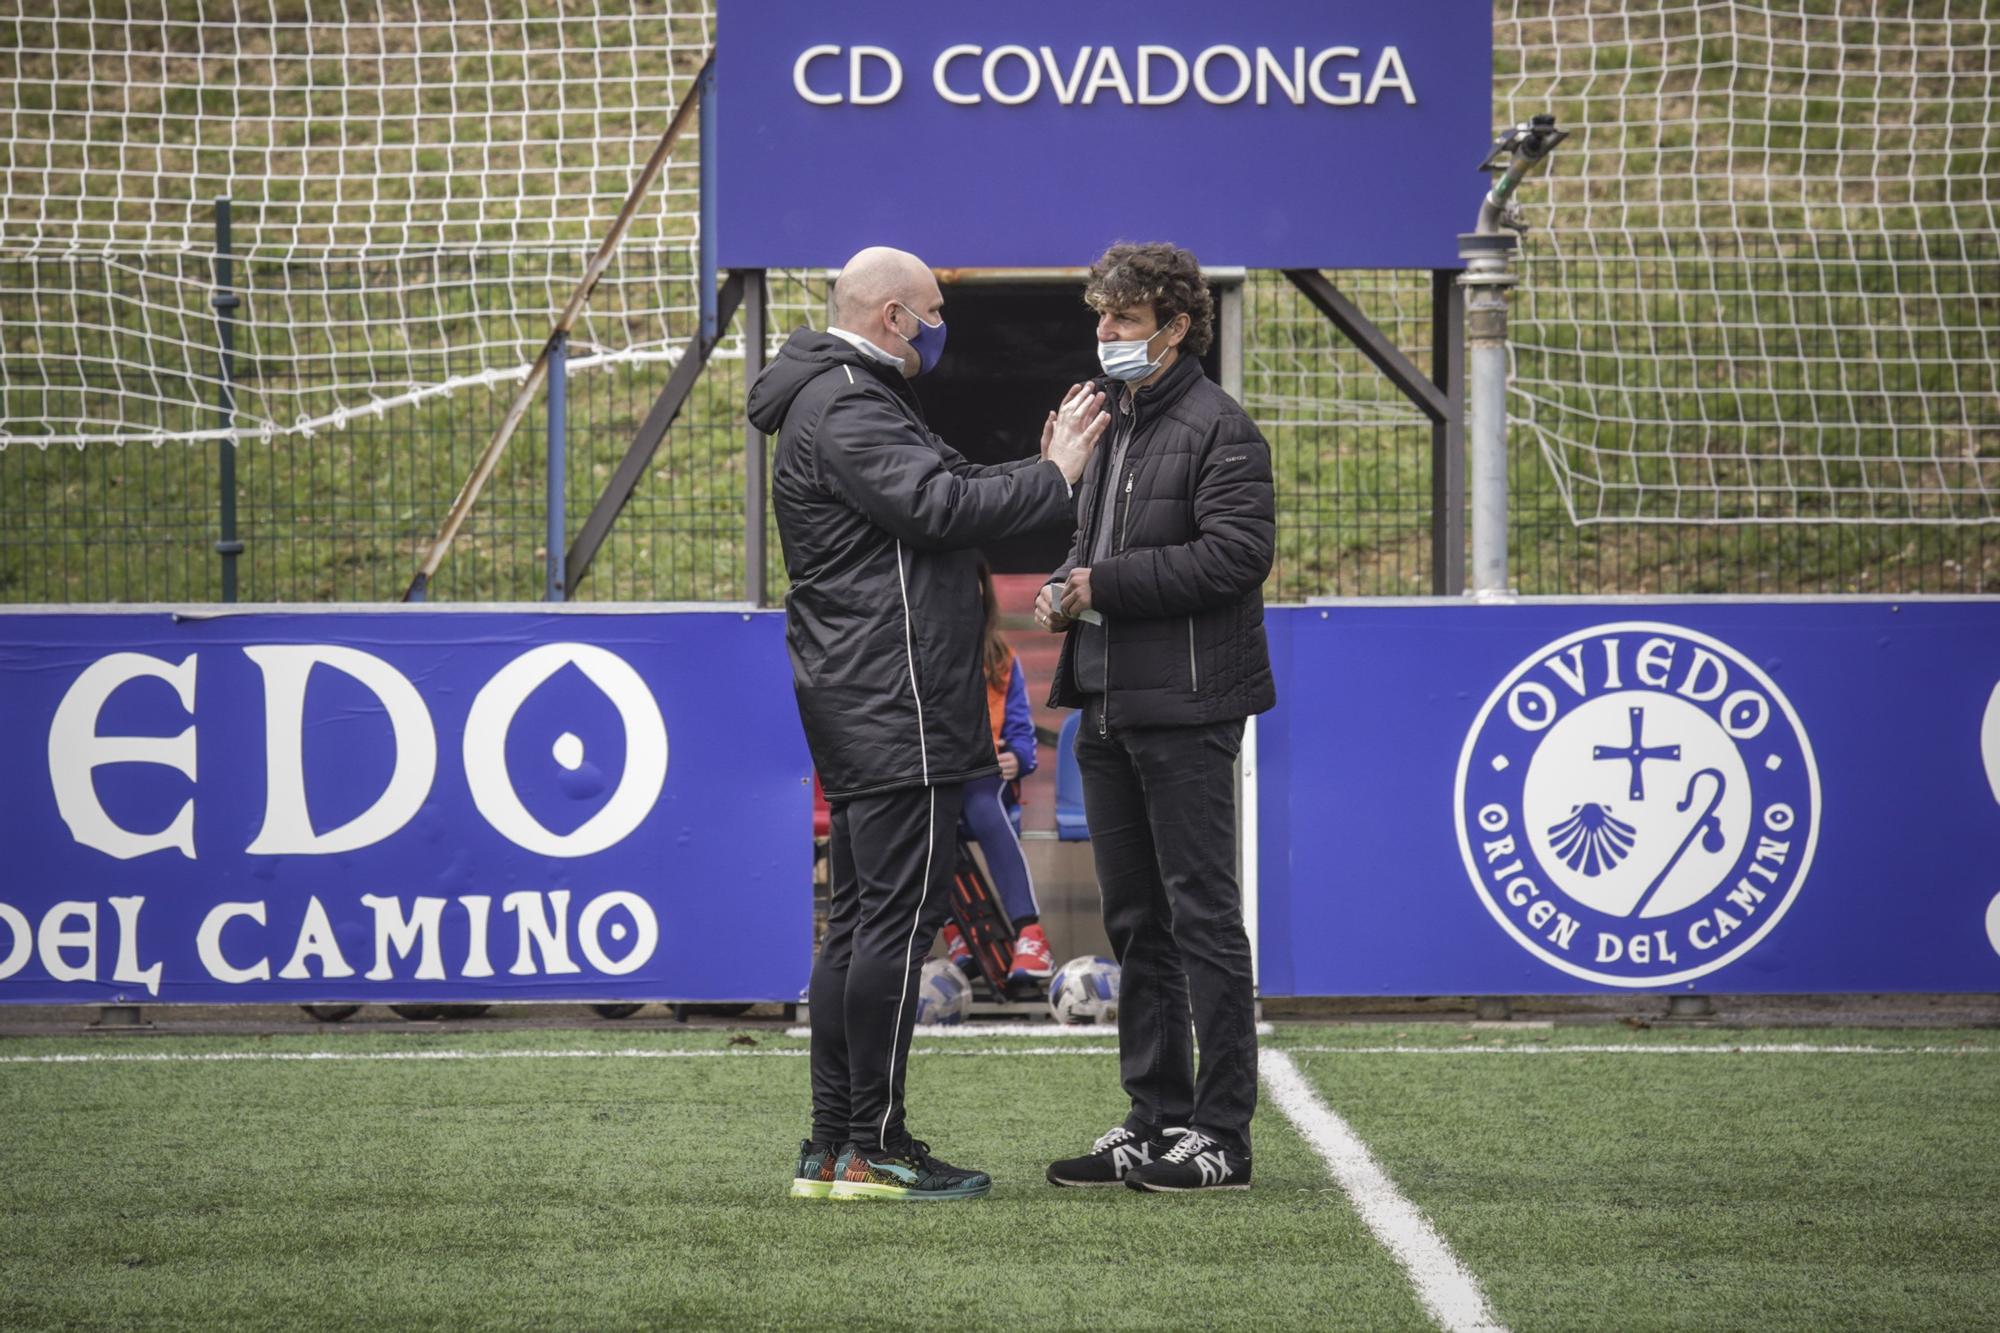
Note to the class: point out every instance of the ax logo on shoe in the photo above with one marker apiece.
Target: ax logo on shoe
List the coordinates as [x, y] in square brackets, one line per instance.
[1637, 804]
[1214, 1167]
[1124, 1157]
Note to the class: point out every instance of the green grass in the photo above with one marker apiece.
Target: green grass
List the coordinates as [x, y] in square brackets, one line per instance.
[1584, 1191]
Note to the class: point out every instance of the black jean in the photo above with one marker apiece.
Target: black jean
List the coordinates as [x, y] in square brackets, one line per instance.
[1161, 802]
[891, 861]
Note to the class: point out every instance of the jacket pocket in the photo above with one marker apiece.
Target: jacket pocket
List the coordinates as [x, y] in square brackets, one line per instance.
[1194, 667]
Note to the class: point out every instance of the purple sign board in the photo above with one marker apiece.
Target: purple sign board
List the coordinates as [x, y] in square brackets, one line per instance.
[1264, 133]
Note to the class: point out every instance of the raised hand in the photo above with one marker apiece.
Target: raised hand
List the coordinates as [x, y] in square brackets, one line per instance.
[1049, 426]
[1074, 430]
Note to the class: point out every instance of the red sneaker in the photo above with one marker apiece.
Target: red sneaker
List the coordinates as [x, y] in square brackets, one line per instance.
[957, 950]
[1032, 958]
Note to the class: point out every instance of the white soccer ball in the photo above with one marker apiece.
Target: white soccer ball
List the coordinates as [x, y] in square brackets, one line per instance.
[1085, 990]
[943, 994]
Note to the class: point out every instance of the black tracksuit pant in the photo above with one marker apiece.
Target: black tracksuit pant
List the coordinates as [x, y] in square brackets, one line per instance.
[1161, 802]
[891, 860]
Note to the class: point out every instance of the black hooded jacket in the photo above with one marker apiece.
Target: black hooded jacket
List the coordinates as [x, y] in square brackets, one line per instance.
[1182, 591]
[879, 518]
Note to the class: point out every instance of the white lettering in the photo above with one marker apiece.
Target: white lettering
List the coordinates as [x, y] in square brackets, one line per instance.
[316, 940]
[1243, 78]
[1392, 60]
[23, 946]
[1745, 714]
[394, 931]
[535, 929]
[1745, 896]
[1066, 92]
[1109, 73]
[75, 750]
[1656, 657]
[993, 59]
[56, 936]
[1531, 705]
[1569, 673]
[1268, 69]
[642, 948]
[939, 71]
[858, 54]
[477, 906]
[806, 57]
[208, 943]
[1147, 54]
[128, 968]
[288, 829]
[1692, 688]
[1349, 80]
[486, 749]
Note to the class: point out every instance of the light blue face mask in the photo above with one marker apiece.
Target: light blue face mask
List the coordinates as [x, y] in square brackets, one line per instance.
[1127, 361]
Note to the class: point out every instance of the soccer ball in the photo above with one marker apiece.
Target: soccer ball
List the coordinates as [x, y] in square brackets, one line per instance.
[943, 996]
[1085, 990]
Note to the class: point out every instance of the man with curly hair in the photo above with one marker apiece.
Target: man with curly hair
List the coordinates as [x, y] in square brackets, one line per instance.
[1161, 601]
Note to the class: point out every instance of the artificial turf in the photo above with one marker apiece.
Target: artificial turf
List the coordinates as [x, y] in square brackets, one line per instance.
[1754, 1190]
[1586, 1191]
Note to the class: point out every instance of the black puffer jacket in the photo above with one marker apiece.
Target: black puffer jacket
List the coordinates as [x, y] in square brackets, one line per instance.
[1182, 591]
[879, 517]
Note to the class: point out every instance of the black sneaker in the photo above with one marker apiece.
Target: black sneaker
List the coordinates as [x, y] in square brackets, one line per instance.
[1110, 1158]
[907, 1172]
[1195, 1162]
[812, 1177]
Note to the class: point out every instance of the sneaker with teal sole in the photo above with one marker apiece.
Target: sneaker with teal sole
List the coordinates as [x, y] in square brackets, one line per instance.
[813, 1176]
[907, 1173]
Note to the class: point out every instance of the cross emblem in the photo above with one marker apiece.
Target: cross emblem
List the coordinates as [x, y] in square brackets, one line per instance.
[1637, 753]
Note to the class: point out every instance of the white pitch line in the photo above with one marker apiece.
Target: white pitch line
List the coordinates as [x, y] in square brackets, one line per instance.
[964, 1030]
[1446, 1288]
[365, 1057]
[1794, 1048]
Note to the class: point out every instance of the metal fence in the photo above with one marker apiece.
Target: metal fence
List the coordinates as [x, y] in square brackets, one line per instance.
[344, 515]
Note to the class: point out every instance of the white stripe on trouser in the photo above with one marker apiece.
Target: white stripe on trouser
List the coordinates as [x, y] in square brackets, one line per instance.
[910, 650]
[909, 955]
[1034, 903]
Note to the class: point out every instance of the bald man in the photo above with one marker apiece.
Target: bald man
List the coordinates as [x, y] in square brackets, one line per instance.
[880, 520]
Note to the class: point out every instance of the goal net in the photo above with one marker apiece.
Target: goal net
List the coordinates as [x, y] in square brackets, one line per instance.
[1764, 285]
[1765, 281]
[416, 188]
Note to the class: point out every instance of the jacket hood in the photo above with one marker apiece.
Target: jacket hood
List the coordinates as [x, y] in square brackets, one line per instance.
[804, 356]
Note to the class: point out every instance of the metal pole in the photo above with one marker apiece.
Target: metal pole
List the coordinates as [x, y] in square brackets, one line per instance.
[756, 591]
[1448, 436]
[1488, 275]
[557, 590]
[1488, 252]
[706, 144]
[225, 302]
[1229, 318]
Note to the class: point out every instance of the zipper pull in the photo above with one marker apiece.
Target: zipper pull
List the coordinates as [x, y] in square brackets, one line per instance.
[1128, 481]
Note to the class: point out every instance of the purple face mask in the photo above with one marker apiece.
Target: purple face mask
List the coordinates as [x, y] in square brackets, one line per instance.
[927, 343]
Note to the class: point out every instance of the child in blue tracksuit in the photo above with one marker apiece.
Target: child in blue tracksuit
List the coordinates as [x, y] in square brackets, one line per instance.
[992, 812]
